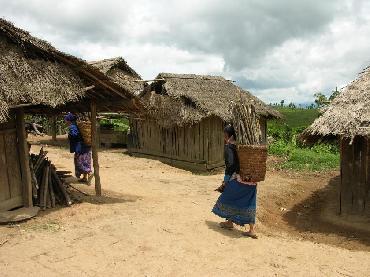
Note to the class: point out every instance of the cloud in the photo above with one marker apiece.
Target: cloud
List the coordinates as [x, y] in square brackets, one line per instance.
[283, 49]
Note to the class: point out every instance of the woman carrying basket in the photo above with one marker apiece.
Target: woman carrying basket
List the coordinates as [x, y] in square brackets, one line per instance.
[82, 157]
[237, 203]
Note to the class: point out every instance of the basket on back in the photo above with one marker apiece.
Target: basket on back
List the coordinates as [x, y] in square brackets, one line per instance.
[252, 160]
[252, 155]
[85, 129]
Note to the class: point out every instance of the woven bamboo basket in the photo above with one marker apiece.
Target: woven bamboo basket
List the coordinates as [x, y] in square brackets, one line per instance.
[85, 129]
[252, 160]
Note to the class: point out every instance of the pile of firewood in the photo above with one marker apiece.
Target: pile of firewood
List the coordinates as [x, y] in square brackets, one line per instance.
[246, 124]
[48, 187]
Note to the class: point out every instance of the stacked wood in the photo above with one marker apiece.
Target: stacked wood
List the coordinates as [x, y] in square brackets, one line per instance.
[48, 188]
[246, 124]
[252, 155]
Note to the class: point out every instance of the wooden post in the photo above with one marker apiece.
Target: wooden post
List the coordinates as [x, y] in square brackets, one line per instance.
[24, 158]
[54, 128]
[95, 148]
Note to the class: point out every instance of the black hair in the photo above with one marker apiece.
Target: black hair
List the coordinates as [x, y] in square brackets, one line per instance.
[230, 131]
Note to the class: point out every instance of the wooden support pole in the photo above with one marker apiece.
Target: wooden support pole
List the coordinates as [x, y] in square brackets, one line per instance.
[95, 148]
[54, 128]
[24, 158]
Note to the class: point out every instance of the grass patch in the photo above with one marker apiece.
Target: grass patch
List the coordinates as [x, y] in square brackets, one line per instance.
[321, 157]
[296, 118]
[283, 142]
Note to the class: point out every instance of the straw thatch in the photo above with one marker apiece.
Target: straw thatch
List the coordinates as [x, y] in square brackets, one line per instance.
[349, 113]
[179, 99]
[121, 73]
[35, 73]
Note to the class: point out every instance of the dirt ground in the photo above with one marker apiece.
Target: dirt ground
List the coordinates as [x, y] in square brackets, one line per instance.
[156, 220]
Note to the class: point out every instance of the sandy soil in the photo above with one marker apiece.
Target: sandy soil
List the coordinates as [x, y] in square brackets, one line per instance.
[155, 220]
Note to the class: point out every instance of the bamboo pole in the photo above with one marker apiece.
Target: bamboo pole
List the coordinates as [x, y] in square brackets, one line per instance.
[54, 128]
[95, 148]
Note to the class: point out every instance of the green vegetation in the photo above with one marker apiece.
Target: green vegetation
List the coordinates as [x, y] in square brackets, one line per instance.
[284, 142]
[296, 117]
[118, 124]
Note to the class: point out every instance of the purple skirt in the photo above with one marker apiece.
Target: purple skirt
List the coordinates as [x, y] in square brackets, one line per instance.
[82, 164]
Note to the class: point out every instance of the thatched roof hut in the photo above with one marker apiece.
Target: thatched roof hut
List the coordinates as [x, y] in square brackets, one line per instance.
[186, 117]
[120, 73]
[181, 99]
[348, 119]
[349, 113]
[37, 78]
[35, 73]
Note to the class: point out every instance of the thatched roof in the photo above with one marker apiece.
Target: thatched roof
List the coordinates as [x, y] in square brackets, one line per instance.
[179, 99]
[121, 73]
[33, 72]
[349, 113]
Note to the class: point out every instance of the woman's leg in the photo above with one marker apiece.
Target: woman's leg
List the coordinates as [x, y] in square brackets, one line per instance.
[251, 233]
[228, 224]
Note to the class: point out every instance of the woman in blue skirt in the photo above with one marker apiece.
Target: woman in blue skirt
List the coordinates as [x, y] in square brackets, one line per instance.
[237, 203]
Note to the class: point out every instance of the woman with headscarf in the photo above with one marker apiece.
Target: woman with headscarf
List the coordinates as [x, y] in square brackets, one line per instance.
[237, 203]
[82, 157]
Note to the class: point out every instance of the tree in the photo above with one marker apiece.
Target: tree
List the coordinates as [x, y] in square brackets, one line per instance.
[334, 94]
[320, 99]
[282, 103]
[292, 105]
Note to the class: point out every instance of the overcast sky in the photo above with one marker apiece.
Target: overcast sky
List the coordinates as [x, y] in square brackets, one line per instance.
[286, 49]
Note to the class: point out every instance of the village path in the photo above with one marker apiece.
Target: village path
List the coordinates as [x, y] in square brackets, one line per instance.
[155, 220]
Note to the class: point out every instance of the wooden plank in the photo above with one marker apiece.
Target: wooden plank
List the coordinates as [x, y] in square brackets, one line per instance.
[6, 205]
[347, 160]
[359, 191]
[263, 126]
[206, 137]
[95, 148]
[8, 131]
[54, 128]
[24, 158]
[4, 182]
[343, 172]
[10, 124]
[367, 168]
[13, 165]
[201, 140]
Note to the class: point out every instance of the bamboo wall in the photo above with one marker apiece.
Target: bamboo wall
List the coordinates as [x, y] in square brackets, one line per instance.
[198, 146]
[354, 192]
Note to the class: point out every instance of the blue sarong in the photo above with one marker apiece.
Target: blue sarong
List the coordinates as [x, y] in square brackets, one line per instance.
[237, 203]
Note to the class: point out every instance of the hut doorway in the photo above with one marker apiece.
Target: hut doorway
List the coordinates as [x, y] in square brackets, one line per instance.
[11, 193]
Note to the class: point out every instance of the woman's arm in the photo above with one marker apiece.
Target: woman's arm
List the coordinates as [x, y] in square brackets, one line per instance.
[73, 132]
[231, 166]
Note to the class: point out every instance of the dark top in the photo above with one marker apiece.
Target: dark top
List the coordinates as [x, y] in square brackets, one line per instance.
[76, 142]
[231, 160]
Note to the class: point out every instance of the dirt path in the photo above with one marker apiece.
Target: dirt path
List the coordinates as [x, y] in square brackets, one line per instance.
[155, 220]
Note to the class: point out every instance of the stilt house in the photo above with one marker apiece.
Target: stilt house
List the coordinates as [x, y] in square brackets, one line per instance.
[347, 118]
